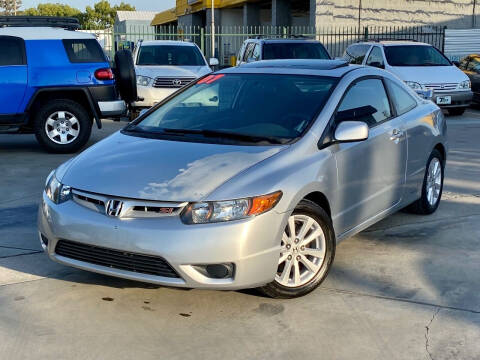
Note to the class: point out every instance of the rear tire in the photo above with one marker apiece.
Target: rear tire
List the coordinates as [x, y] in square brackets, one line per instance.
[307, 256]
[456, 111]
[62, 126]
[432, 186]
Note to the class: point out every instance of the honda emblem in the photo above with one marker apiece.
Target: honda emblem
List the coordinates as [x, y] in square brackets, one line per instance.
[113, 208]
[177, 82]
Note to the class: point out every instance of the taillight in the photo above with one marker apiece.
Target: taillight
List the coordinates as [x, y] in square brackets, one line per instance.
[104, 74]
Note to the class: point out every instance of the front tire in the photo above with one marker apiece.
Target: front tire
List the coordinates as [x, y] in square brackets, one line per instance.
[62, 126]
[432, 186]
[308, 250]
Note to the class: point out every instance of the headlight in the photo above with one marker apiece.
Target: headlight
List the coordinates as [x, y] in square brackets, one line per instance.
[144, 80]
[414, 85]
[218, 211]
[56, 191]
[465, 85]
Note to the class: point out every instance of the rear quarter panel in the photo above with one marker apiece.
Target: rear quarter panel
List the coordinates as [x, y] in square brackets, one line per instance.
[49, 66]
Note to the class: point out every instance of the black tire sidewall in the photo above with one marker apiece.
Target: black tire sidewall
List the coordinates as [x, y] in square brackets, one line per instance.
[125, 76]
[306, 207]
[62, 105]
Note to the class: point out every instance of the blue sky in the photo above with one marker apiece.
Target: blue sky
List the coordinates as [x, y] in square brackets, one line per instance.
[154, 5]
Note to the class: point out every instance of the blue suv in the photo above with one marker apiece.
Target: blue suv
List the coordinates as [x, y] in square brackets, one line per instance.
[55, 82]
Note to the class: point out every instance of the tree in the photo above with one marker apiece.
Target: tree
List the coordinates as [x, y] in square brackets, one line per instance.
[10, 7]
[102, 15]
[49, 9]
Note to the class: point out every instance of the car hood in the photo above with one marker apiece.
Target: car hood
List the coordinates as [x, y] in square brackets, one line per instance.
[172, 71]
[429, 74]
[152, 169]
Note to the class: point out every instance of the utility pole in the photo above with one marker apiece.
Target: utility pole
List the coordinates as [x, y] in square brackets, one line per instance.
[15, 8]
[359, 14]
[213, 28]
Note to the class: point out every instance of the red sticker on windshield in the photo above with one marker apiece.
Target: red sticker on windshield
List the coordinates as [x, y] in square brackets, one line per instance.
[210, 79]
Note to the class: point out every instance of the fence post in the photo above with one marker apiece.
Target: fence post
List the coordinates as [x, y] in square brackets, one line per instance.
[365, 33]
[202, 40]
[443, 38]
[284, 32]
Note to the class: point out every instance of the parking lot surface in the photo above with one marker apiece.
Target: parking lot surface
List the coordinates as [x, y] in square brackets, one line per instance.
[406, 288]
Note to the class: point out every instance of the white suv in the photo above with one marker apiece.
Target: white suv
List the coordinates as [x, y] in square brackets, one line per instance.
[164, 66]
[421, 66]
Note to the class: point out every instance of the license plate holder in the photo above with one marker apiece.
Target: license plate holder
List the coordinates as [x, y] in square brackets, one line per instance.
[444, 100]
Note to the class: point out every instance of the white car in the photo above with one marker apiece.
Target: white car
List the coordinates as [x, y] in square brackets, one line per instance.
[421, 66]
[164, 66]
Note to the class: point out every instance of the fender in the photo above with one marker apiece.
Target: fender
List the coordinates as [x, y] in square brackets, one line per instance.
[93, 106]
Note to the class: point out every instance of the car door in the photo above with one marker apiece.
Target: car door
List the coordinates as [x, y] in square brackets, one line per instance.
[371, 173]
[13, 74]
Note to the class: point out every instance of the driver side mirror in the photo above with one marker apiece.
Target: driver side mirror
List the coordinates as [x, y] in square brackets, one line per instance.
[213, 62]
[351, 131]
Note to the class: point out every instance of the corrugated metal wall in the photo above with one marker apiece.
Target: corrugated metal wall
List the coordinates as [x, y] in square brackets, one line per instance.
[459, 43]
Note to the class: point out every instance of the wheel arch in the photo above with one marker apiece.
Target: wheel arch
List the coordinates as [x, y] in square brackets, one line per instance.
[321, 200]
[79, 95]
[441, 149]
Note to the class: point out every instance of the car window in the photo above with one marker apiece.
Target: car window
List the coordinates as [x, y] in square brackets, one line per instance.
[415, 55]
[84, 51]
[256, 52]
[165, 55]
[402, 100]
[473, 65]
[248, 51]
[358, 106]
[376, 57]
[356, 53]
[265, 105]
[291, 50]
[13, 51]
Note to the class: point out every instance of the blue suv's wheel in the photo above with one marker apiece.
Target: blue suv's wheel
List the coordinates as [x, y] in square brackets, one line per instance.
[62, 126]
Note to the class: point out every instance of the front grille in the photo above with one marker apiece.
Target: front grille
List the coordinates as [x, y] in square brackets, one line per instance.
[442, 87]
[172, 82]
[116, 259]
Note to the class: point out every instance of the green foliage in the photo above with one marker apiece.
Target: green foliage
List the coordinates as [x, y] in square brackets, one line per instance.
[100, 16]
[10, 7]
[50, 9]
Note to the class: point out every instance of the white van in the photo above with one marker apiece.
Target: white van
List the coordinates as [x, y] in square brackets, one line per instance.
[421, 66]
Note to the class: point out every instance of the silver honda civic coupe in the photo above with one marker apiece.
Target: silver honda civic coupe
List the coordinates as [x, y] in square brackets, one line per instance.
[248, 178]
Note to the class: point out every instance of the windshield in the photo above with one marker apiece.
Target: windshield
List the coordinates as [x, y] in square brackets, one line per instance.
[252, 108]
[291, 50]
[163, 55]
[417, 55]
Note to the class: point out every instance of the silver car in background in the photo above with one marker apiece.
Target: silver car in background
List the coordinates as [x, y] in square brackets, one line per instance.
[248, 177]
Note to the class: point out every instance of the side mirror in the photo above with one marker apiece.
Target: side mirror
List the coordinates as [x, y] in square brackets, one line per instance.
[456, 63]
[213, 62]
[351, 131]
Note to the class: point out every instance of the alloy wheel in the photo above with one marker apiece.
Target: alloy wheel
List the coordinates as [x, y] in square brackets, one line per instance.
[434, 181]
[62, 127]
[303, 251]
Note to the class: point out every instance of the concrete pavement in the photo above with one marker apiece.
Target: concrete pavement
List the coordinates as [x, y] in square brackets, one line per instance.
[406, 288]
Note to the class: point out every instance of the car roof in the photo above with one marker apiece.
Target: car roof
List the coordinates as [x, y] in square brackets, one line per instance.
[166, 42]
[393, 43]
[332, 68]
[273, 41]
[44, 33]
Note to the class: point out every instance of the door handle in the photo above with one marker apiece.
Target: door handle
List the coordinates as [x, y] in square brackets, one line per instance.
[396, 134]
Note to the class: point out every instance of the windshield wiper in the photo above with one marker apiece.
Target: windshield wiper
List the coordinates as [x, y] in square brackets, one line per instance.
[226, 134]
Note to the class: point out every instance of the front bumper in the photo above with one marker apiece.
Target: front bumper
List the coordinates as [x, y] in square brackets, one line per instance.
[252, 245]
[151, 95]
[112, 108]
[459, 98]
